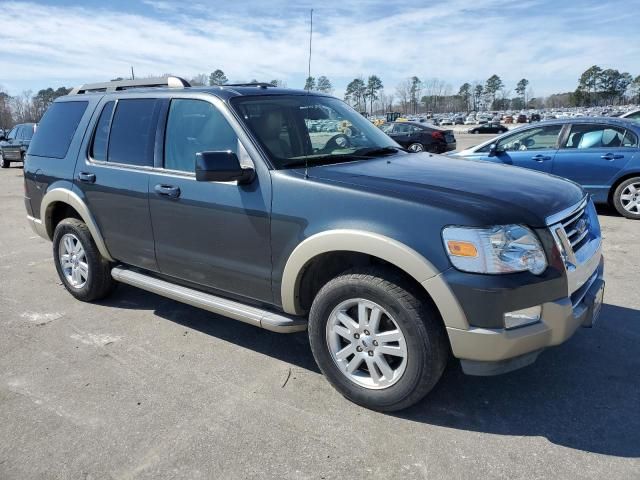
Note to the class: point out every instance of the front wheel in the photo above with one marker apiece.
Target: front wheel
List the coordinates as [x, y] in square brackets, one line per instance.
[626, 198]
[376, 341]
[3, 162]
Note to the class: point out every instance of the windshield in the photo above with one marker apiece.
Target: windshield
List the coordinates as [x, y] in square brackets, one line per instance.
[306, 129]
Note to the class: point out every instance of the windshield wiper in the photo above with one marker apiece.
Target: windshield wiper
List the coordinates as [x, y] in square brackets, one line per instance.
[378, 151]
[324, 160]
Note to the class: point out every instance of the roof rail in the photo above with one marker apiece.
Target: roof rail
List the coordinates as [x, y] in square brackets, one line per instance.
[119, 85]
[251, 84]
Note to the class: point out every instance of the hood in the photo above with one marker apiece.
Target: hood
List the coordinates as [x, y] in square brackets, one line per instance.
[484, 193]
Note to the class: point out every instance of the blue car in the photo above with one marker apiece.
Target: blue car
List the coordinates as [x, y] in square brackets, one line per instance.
[601, 154]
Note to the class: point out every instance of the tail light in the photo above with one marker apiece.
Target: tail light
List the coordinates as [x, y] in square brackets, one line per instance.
[437, 136]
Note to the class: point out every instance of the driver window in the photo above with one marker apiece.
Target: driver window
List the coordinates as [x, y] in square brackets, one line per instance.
[541, 138]
[195, 126]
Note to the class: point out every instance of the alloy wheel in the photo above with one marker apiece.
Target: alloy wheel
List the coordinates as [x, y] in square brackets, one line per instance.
[73, 261]
[366, 344]
[630, 198]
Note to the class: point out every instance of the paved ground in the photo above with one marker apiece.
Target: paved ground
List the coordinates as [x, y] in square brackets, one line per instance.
[143, 387]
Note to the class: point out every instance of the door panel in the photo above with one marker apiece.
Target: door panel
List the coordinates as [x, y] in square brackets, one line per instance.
[117, 193]
[593, 155]
[533, 148]
[210, 233]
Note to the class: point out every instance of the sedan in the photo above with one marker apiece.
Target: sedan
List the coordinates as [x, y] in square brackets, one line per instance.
[418, 137]
[489, 128]
[634, 115]
[601, 154]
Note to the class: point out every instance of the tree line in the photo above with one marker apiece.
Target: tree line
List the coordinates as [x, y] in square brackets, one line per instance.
[596, 87]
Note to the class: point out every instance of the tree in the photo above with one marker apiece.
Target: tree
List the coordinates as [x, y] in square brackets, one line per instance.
[465, 94]
[310, 84]
[589, 82]
[414, 93]
[403, 91]
[217, 78]
[6, 116]
[355, 92]
[635, 89]
[324, 85]
[200, 80]
[278, 83]
[492, 86]
[374, 85]
[521, 89]
[478, 92]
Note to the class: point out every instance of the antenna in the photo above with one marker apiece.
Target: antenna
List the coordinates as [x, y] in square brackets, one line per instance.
[306, 160]
[310, 39]
[133, 76]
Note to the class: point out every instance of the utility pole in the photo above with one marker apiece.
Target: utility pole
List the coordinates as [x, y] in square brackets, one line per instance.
[310, 38]
[133, 77]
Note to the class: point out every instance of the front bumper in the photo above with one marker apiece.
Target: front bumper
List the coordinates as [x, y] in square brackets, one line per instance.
[488, 351]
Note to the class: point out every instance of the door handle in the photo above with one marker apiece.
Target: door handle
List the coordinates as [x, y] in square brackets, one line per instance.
[612, 156]
[86, 177]
[541, 158]
[167, 190]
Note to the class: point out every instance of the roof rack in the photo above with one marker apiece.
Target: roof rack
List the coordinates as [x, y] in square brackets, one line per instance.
[251, 84]
[119, 85]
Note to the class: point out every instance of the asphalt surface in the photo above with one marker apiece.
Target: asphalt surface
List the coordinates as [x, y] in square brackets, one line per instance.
[141, 387]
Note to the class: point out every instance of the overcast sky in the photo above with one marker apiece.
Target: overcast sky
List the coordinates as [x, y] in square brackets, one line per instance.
[65, 42]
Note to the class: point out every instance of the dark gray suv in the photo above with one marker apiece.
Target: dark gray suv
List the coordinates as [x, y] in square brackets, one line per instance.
[290, 211]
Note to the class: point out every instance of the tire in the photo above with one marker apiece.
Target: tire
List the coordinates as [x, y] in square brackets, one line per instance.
[421, 338]
[416, 147]
[86, 280]
[626, 198]
[4, 163]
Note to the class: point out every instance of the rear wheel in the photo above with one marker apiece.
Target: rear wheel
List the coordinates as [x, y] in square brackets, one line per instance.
[85, 273]
[416, 147]
[626, 198]
[375, 340]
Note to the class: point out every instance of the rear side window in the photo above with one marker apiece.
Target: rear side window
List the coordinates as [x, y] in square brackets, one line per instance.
[101, 135]
[56, 129]
[630, 139]
[132, 136]
[594, 136]
[27, 132]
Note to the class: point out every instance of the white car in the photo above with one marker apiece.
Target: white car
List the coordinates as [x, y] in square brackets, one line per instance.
[632, 115]
[446, 121]
[470, 121]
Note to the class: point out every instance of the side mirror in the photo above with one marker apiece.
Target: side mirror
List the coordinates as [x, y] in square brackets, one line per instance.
[493, 150]
[222, 167]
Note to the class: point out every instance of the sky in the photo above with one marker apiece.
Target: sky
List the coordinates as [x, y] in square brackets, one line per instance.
[550, 42]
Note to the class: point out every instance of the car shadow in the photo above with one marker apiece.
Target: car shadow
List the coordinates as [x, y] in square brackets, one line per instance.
[584, 394]
[607, 210]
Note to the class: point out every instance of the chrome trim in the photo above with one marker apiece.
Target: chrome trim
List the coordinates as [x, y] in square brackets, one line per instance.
[563, 214]
[255, 316]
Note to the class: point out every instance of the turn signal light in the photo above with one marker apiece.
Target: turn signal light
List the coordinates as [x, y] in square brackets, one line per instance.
[462, 249]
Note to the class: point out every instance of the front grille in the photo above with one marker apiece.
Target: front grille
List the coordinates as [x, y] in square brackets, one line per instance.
[577, 228]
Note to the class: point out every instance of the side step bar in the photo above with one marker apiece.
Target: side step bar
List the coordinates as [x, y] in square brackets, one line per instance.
[222, 306]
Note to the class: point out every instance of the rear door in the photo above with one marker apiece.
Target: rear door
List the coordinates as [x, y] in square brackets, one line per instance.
[114, 177]
[592, 154]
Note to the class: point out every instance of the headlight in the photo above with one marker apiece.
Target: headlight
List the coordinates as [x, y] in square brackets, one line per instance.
[501, 249]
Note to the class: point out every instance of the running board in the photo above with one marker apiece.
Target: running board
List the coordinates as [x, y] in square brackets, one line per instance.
[222, 306]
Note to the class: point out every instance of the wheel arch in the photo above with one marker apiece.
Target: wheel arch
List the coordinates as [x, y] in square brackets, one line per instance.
[390, 251]
[62, 199]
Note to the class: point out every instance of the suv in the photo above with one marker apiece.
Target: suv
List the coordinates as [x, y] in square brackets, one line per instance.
[221, 197]
[16, 143]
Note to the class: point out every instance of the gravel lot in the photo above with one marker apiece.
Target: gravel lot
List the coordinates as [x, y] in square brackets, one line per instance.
[142, 387]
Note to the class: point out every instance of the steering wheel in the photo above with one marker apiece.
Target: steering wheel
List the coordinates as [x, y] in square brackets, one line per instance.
[337, 141]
